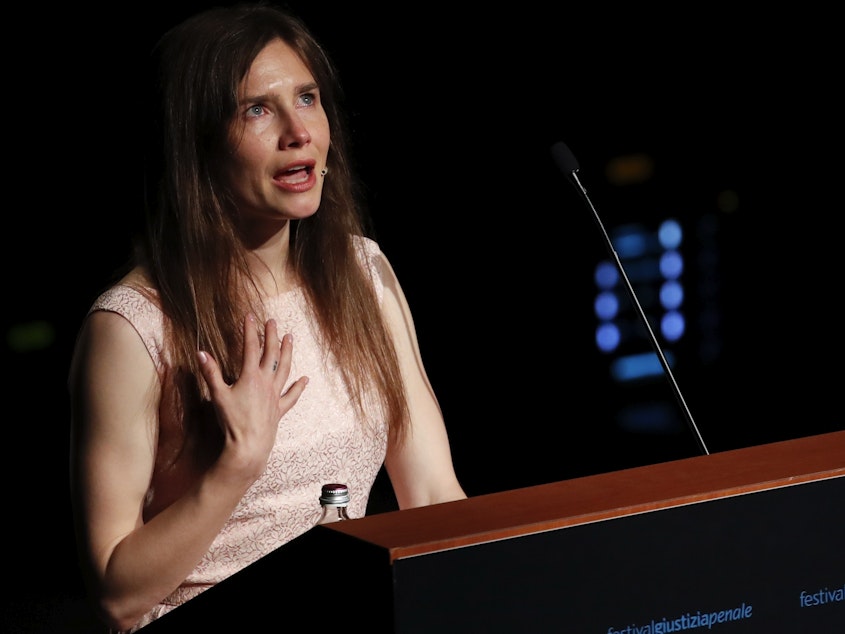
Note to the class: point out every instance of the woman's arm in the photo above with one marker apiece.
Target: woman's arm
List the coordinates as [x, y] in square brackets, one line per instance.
[420, 469]
[131, 566]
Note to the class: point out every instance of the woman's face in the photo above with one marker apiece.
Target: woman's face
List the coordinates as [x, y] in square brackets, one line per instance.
[280, 139]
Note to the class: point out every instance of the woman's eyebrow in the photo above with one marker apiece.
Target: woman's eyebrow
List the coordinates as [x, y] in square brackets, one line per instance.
[307, 87]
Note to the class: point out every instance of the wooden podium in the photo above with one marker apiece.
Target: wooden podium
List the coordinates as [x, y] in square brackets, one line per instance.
[748, 540]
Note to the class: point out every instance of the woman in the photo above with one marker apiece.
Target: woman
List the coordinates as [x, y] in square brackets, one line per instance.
[259, 346]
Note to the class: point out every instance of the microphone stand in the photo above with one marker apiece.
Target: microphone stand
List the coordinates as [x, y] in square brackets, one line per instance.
[569, 165]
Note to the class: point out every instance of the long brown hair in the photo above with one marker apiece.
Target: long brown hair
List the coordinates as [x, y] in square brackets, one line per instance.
[191, 248]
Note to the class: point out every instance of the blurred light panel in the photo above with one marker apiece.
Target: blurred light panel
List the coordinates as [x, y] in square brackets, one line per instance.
[671, 265]
[630, 242]
[649, 418]
[31, 336]
[671, 295]
[670, 234]
[672, 325]
[638, 366]
[607, 337]
[606, 305]
[606, 275]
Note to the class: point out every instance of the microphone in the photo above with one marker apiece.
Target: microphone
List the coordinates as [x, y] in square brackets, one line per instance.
[568, 164]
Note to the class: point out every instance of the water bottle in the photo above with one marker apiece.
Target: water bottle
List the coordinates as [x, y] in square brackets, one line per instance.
[334, 499]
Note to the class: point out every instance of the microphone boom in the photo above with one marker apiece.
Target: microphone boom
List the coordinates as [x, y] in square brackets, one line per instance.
[568, 164]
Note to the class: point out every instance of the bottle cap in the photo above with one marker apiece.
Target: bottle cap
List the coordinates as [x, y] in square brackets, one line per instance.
[335, 493]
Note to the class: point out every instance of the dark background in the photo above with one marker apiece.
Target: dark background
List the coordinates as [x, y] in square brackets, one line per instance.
[453, 113]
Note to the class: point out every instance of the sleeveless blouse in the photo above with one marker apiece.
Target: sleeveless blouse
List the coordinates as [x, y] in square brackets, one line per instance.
[321, 439]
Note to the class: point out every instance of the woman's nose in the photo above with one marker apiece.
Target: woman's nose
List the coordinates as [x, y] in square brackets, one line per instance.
[294, 134]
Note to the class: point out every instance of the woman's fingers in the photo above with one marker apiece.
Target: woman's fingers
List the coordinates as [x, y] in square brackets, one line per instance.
[252, 345]
[271, 356]
[275, 358]
[210, 372]
[272, 346]
[285, 355]
[249, 410]
[292, 394]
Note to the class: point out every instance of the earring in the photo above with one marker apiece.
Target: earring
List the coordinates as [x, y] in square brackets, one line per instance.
[324, 171]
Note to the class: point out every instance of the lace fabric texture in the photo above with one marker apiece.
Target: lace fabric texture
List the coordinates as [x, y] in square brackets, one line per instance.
[320, 440]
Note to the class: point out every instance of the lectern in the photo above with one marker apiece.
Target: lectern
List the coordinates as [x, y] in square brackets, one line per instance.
[749, 540]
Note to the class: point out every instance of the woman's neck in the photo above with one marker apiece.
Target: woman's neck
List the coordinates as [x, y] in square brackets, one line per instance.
[269, 261]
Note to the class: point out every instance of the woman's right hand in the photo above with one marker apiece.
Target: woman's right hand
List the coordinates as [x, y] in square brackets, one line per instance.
[249, 409]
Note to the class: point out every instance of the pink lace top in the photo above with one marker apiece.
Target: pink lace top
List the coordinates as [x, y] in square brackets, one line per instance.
[320, 440]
